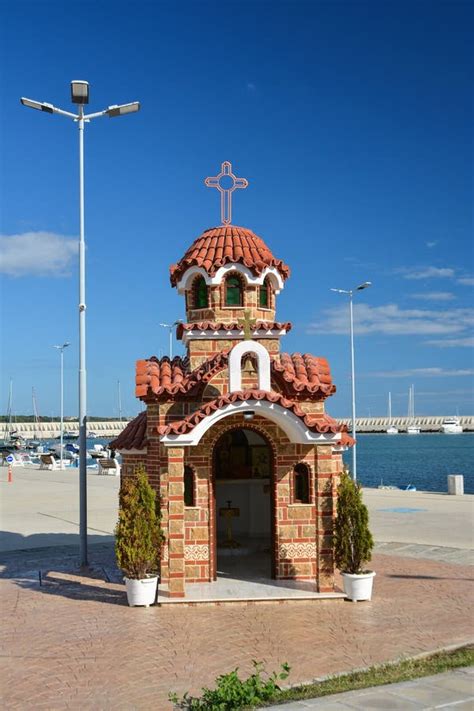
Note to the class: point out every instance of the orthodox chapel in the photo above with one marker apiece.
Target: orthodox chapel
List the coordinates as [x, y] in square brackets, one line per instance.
[234, 435]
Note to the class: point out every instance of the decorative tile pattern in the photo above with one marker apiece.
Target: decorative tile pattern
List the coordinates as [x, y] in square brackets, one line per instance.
[196, 552]
[297, 550]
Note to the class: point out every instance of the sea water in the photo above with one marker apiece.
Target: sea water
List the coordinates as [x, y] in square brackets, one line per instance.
[424, 460]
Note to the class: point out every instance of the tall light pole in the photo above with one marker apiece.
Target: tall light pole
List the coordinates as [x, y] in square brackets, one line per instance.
[80, 97]
[171, 326]
[350, 293]
[119, 400]
[61, 352]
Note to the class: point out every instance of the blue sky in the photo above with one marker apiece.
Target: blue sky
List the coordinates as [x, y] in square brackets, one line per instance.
[351, 121]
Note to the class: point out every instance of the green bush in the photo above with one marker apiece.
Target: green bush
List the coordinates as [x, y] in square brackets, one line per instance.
[231, 692]
[138, 534]
[353, 542]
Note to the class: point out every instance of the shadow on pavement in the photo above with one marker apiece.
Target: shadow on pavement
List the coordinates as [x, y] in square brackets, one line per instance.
[55, 569]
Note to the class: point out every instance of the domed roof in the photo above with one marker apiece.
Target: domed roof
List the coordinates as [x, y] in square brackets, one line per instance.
[228, 244]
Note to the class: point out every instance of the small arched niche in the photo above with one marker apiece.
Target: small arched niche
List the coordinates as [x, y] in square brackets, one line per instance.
[235, 365]
[301, 484]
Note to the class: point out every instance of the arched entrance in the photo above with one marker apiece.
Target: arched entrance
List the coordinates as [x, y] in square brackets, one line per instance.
[243, 483]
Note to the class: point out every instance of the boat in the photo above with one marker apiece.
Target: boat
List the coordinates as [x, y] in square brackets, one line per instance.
[70, 451]
[408, 487]
[391, 429]
[98, 451]
[451, 425]
[34, 442]
[71, 434]
[412, 429]
[11, 439]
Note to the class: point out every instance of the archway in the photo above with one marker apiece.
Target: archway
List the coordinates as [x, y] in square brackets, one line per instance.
[243, 485]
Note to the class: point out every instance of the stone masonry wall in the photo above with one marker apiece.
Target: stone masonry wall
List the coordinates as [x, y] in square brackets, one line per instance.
[301, 533]
[201, 350]
[218, 312]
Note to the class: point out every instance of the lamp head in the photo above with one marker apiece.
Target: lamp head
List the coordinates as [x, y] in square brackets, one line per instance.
[39, 105]
[365, 285]
[79, 91]
[122, 109]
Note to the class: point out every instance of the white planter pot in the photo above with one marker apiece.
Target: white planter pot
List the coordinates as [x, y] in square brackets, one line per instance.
[358, 587]
[141, 592]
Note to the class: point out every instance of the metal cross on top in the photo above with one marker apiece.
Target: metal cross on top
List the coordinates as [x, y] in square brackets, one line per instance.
[226, 192]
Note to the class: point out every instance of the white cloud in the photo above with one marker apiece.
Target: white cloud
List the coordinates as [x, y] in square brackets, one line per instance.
[251, 86]
[429, 273]
[434, 296]
[391, 320]
[467, 342]
[431, 244]
[424, 373]
[37, 253]
[466, 281]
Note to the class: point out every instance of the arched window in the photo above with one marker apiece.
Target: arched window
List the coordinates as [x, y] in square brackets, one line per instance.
[301, 484]
[264, 295]
[200, 294]
[233, 291]
[189, 499]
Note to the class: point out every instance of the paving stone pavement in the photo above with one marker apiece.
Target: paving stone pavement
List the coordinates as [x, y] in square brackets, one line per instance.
[464, 556]
[452, 690]
[71, 641]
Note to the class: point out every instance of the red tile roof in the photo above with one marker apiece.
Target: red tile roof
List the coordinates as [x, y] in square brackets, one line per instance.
[296, 374]
[134, 436]
[306, 373]
[223, 245]
[230, 326]
[165, 377]
[322, 423]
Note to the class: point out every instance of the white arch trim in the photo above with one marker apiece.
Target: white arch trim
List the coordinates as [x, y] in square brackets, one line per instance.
[235, 365]
[271, 272]
[294, 428]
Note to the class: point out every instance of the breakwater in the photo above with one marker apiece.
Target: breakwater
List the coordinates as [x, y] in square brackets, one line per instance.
[425, 423]
[50, 430]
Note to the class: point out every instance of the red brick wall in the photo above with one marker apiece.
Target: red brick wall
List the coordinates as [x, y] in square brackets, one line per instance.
[301, 533]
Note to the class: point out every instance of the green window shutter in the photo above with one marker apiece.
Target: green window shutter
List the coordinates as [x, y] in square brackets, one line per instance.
[200, 294]
[233, 294]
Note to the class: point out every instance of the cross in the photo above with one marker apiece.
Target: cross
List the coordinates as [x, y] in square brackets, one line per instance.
[247, 324]
[226, 193]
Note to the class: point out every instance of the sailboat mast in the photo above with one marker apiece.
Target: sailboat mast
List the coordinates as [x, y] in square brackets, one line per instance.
[390, 408]
[9, 412]
[35, 413]
[119, 400]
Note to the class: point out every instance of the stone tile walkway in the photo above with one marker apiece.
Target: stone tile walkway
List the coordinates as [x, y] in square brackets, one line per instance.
[463, 556]
[71, 641]
[452, 690]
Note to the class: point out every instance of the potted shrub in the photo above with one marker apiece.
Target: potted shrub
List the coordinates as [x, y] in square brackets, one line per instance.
[353, 542]
[138, 538]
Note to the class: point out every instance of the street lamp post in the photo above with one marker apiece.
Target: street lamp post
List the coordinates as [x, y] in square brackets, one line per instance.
[350, 293]
[171, 326]
[61, 352]
[80, 97]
